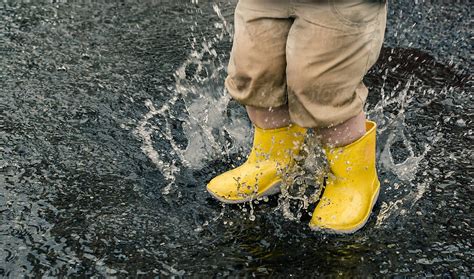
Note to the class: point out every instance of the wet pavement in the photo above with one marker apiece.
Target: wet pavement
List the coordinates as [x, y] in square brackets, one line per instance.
[103, 170]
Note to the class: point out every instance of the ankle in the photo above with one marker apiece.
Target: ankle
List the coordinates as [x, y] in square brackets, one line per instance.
[342, 139]
[269, 118]
[345, 133]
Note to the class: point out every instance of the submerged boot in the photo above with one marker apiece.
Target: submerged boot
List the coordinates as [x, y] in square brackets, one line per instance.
[272, 152]
[352, 188]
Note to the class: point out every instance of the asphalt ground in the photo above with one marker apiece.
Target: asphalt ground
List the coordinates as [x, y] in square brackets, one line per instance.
[79, 196]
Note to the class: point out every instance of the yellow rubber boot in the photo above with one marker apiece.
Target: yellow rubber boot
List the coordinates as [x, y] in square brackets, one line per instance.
[352, 189]
[273, 151]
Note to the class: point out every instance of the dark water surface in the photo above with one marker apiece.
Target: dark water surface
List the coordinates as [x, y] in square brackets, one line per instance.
[79, 194]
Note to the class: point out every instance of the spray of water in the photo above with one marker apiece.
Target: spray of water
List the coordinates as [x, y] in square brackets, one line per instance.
[212, 126]
[303, 184]
[215, 128]
[393, 129]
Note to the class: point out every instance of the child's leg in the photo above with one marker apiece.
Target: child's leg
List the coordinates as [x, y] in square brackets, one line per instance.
[331, 46]
[256, 79]
[338, 135]
[269, 118]
[328, 53]
[345, 133]
[257, 65]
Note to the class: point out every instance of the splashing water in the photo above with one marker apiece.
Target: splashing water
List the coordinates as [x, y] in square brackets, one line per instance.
[212, 126]
[216, 127]
[393, 129]
[303, 184]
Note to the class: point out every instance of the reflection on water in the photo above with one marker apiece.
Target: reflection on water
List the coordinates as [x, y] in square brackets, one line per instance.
[116, 117]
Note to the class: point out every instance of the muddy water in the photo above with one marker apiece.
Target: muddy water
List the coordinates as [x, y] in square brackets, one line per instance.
[111, 126]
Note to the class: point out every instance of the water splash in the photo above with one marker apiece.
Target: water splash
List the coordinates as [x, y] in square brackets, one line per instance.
[302, 185]
[392, 127]
[392, 139]
[145, 131]
[216, 127]
[213, 126]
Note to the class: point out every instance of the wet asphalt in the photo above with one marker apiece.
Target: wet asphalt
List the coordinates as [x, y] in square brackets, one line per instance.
[79, 197]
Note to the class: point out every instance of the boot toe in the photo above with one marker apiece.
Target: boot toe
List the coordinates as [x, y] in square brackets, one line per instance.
[342, 210]
[244, 183]
[226, 187]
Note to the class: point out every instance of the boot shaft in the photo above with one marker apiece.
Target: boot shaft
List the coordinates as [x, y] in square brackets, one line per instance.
[278, 145]
[356, 157]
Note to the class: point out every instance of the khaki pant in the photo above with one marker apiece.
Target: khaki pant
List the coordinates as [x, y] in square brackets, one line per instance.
[309, 54]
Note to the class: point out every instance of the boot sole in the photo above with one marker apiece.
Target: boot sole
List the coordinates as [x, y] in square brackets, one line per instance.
[358, 227]
[272, 190]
